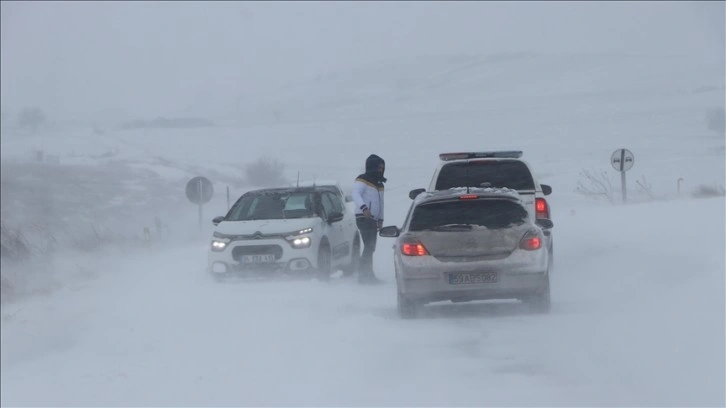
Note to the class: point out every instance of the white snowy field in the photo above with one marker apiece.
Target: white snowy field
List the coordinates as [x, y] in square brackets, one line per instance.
[638, 290]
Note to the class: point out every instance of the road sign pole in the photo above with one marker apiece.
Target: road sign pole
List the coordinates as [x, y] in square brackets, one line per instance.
[201, 194]
[622, 175]
[622, 161]
[199, 190]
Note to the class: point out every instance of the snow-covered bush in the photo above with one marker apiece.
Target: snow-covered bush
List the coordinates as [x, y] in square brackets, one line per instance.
[266, 172]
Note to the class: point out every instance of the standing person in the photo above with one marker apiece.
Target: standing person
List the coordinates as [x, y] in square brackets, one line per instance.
[368, 197]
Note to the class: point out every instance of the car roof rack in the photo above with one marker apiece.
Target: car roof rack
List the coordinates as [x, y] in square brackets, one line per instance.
[509, 154]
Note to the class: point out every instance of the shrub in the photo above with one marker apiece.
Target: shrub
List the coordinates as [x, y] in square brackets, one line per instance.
[265, 172]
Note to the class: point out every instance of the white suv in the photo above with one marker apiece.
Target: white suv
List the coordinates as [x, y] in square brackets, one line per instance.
[494, 169]
[296, 230]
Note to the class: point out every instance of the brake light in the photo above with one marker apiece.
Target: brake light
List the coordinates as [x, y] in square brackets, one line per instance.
[542, 210]
[531, 242]
[414, 249]
[468, 197]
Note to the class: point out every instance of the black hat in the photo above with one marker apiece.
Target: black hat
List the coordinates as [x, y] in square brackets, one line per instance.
[372, 163]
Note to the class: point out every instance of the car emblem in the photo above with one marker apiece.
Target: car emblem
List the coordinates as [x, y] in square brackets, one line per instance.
[257, 235]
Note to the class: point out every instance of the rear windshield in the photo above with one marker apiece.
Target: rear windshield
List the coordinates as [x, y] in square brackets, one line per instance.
[492, 214]
[272, 206]
[486, 173]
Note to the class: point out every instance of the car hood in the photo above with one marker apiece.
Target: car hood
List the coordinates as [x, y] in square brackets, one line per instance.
[265, 226]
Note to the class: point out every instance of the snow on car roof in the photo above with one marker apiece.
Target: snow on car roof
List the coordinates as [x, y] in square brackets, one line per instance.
[457, 191]
[323, 182]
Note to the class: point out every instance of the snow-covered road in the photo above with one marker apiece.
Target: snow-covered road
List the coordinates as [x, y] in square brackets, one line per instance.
[638, 319]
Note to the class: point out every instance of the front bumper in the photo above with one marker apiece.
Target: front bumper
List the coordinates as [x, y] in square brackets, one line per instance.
[228, 262]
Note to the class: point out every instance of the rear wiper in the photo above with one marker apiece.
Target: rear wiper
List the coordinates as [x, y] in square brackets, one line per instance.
[449, 227]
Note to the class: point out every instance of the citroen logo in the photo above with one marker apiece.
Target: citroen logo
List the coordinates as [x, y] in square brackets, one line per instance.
[257, 235]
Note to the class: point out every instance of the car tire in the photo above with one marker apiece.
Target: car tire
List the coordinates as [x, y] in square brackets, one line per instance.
[324, 262]
[352, 268]
[407, 308]
[540, 301]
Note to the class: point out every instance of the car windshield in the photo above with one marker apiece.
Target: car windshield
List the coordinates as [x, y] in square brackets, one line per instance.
[272, 206]
[512, 174]
[456, 215]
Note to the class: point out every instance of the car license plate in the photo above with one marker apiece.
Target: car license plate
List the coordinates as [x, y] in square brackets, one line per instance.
[257, 259]
[468, 278]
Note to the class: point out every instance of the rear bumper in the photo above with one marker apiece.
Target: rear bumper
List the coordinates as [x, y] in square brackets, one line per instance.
[436, 287]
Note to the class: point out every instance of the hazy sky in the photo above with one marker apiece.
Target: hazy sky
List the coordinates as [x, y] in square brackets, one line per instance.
[82, 59]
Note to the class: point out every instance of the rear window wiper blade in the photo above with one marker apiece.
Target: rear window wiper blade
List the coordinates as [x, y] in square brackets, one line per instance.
[452, 227]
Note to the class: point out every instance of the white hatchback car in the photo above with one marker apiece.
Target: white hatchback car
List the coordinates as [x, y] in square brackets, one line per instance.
[467, 244]
[297, 230]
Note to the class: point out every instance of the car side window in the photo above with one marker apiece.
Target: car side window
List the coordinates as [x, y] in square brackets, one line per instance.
[327, 202]
[408, 216]
[337, 204]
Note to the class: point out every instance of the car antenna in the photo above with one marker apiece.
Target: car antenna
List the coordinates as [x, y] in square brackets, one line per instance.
[298, 179]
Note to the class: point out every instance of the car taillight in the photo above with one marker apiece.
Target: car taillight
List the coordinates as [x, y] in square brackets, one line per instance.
[468, 197]
[414, 249]
[531, 241]
[542, 210]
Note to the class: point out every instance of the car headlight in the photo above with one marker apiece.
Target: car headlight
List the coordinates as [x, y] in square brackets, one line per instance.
[219, 244]
[301, 242]
[298, 240]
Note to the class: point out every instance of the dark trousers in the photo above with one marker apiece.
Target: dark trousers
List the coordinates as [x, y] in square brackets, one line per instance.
[369, 234]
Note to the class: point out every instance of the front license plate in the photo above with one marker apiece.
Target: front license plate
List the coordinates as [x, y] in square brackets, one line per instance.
[257, 259]
[469, 278]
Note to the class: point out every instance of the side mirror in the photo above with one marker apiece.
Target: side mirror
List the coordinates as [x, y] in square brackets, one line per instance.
[546, 190]
[391, 231]
[544, 223]
[348, 199]
[415, 193]
[217, 220]
[335, 217]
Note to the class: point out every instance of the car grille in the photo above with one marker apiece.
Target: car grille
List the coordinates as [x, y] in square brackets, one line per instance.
[239, 251]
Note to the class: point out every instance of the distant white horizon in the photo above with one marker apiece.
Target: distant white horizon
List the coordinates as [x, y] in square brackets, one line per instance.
[103, 60]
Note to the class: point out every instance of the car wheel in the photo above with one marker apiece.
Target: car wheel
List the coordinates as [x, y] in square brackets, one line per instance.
[352, 268]
[324, 258]
[540, 301]
[407, 308]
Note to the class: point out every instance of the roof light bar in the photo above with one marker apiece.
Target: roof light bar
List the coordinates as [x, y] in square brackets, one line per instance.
[513, 154]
